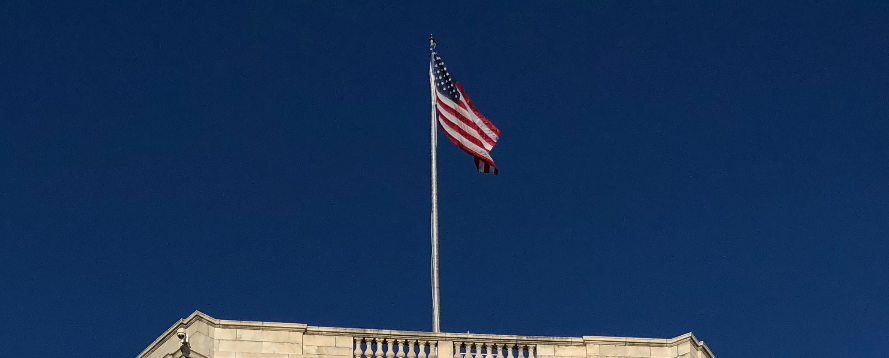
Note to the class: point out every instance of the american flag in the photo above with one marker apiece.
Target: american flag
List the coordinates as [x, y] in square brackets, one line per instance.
[461, 122]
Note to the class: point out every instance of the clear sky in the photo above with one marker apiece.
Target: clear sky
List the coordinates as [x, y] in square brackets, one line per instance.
[665, 167]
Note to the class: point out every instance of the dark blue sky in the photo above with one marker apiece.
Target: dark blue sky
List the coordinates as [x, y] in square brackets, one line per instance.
[665, 167]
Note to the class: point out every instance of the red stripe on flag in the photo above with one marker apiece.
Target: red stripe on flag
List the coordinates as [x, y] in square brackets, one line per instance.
[465, 149]
[484, 167]
[479, 115]
[466, 121]
[468, 137]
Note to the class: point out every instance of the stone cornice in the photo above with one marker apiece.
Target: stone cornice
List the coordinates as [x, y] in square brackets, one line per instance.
[457, 337]
[183, 322]
[268, 326]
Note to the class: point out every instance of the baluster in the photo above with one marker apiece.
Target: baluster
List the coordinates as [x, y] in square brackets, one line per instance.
[500, 350]
[422, 347]
[457, 346]
[401, 345]
[508, 351]
[433, 349]
[490, 353]
[390, 353]
[410, 349]
[532, 351]
[357, 352]
[367, 352]
[478, 350]
[378, 350]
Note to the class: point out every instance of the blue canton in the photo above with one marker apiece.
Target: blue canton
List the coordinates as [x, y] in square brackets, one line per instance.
[443, 81]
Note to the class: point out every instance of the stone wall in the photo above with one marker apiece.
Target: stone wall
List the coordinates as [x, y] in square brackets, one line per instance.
[213, 338]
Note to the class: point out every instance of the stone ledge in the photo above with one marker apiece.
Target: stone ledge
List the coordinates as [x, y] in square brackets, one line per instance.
[455, 337]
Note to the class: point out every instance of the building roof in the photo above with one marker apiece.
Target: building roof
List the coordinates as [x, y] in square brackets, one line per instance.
[217, 338]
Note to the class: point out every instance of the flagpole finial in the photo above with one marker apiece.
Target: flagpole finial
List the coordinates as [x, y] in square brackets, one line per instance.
[431, 42]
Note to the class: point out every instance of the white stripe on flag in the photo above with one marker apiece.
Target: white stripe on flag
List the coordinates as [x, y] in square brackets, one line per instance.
[469, 114]
[471, 131]
[469, 145]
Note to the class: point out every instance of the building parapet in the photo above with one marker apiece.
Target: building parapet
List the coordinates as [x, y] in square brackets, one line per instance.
[216, 338]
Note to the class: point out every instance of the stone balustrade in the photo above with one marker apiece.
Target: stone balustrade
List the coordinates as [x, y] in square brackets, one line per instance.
[377, 347]
[214, 338]
[494, 350]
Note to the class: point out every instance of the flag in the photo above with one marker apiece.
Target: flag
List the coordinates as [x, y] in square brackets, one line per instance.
[458, 118]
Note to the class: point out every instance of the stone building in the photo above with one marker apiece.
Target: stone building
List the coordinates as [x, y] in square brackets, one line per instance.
[208, 337]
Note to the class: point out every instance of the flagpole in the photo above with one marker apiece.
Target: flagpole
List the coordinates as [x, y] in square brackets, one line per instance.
[436, 326]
